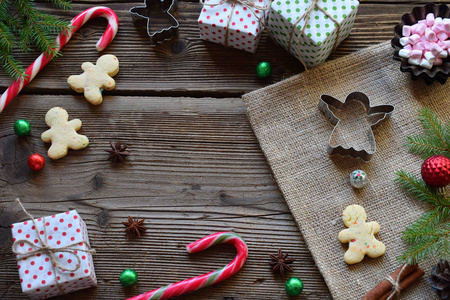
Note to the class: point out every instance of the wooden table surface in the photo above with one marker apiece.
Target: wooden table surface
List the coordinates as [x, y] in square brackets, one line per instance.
[196, 167]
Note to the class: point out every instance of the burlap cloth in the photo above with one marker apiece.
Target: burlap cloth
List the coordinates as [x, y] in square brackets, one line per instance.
[293, 135]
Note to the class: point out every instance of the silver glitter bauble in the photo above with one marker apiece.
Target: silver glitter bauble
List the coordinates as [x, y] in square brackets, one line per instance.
[358, 179]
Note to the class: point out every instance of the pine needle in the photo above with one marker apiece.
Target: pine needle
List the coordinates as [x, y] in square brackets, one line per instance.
[429, 235]
[432, 243]
[435, 141]
[436, 245]
[433, 126]
[420, 189]
[425, 146]
[25, 28]
[11, 66]
[6, 38]
[4, 5]
[65, 5]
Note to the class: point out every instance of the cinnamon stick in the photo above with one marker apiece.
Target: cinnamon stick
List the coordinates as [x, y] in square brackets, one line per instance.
[385, 286]
[411, 278]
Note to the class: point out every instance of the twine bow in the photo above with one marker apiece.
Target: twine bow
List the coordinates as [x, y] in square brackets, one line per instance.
[246, 3]
[395, 283]
[49, 250]
[305, 17]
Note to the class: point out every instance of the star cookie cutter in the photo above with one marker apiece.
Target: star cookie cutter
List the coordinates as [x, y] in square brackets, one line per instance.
[376, 114]
[162, 8]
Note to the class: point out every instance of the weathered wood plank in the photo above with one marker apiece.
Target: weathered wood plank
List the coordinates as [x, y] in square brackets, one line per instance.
[196, 168]
[188, 66]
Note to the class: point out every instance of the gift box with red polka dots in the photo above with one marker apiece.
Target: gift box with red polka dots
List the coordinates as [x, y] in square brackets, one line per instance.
[328, 23]
[39, 277]
[233, 24]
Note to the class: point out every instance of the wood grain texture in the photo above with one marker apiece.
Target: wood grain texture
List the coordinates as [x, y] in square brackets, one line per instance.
[196, 167]
[187, 65]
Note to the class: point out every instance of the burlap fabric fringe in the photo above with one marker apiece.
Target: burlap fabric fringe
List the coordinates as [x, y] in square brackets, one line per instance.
[247, 3]
[305, 17]
[49, 250]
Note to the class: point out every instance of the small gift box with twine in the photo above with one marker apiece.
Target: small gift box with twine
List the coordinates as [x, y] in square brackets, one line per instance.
[53, 255]
[233, 23]
[311, 29]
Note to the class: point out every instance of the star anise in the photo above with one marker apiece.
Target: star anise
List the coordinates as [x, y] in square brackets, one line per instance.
[134, 226]
[281, 263]
[118, 153]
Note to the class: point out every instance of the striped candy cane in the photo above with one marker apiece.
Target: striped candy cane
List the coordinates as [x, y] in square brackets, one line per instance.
[61, 40]
[195, 283]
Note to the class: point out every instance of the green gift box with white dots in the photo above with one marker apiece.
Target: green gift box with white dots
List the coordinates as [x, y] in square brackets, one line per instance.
[318, 39]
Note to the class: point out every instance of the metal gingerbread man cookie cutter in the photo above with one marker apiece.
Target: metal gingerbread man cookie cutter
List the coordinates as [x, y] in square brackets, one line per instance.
[141, 15]
[382, 111]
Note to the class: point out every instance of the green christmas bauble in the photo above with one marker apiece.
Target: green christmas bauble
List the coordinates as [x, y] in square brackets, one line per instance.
[128, 278]
[22, 127]
[263, 69]
[294, 286]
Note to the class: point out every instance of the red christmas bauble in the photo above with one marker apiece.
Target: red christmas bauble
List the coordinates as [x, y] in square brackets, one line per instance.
[36, 162]
[436, 171]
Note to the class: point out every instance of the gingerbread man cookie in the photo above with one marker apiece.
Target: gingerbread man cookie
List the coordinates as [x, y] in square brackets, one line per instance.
[360, 235]
[62, 134]
[96, 78]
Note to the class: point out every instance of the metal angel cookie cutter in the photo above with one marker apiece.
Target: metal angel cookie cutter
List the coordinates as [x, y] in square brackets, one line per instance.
[375, 114]
[157, 10]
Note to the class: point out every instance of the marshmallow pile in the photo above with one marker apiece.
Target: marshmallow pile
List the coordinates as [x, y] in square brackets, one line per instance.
[426, 43]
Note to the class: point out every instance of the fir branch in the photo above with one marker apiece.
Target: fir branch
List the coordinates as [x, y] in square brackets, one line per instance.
[43, 40]
[6, 38]
[39, 35]
[436, 140]
[53, 24]
[432, 243]
[11, 66]
[25, 39]
[24, 27]
[425, 146]
[419, 188]
[425, 225]
[432, 125]
[429, 235]
[447, 137]
[65, 5]
[420, 230]
[4, 5]
[15, 24]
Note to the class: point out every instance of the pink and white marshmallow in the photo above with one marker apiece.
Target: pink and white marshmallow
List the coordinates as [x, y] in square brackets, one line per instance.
[427, 42]
[430, 19]
[446, 23]
[406, 30]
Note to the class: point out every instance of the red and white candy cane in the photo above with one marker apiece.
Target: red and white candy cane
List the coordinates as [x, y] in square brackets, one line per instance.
[195, 283]
[61, 40]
